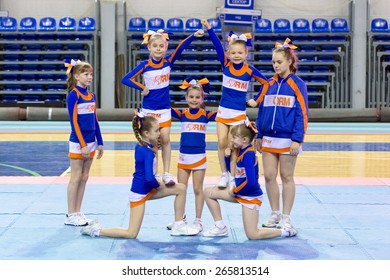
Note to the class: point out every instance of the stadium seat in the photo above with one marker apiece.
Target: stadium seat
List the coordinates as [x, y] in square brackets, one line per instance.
[215, 24]
[47, 24]
[282, 25]
[67, 24]
[263, 25]
[8, 25]
[27, 24]
[156, 24]
[175, 25]
[86, 24]
[193, 24]
[137, 24]
[379, 25]
[339, 25]
[320, 25]
[301, 25]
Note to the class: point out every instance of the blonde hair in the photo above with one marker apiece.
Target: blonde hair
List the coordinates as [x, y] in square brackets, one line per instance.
[242, 131]
[147, 123]
[80, 67]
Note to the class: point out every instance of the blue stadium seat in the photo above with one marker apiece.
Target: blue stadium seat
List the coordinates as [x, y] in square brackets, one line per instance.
[175, 25]
[301, 25]
[11, 97]
[192, 25]
[339, 25]
[28, 24]
[156, 24]
[8, 24]
[216, 24]
[47, 24]
[282, 25]
[379, 25]
[137, 24]
[320, 25]
[67, 24]
[263, 25]
[86, 24]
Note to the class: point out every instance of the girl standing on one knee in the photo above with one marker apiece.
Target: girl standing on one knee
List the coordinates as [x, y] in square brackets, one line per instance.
[282, 121]
[145, 186]
[192, 157]
[247, 189]
[85, 137]
[155, 90]
[237, 74]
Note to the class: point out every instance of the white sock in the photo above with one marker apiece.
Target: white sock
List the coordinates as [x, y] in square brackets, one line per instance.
[284, 233]
[178, 223]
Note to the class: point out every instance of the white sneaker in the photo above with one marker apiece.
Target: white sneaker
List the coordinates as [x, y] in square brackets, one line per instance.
[82, 216]
[75, 219]
[170, 225]
[291, 231]
[91, 229]
[198, 225]
[216, 231]
[168, 179]
[232, 182]
[223, 180]
[285, 222]
[273, 220]
[183, 229]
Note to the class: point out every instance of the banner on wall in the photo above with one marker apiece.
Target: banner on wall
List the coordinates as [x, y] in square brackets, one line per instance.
[239, 12]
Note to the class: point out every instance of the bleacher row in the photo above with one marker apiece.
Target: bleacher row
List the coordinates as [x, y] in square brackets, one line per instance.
[32, 55]
[324, 54]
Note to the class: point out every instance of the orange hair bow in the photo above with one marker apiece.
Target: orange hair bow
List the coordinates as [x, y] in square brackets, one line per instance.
[69, 63]
[186, 84]
[287, 44]
[147, 35]
[140, 117]
[249, 125]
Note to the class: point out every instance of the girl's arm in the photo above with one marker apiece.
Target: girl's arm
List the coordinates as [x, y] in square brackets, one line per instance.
[175, 113]
[183, 45]
[301, 115]
[211, 115]
[129, 78]
[249, 163]
[216, 42]
[256, 74]
[72, 101]
[150, 179]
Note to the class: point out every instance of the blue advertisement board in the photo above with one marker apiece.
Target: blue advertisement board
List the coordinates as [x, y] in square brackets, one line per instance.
[239, 4]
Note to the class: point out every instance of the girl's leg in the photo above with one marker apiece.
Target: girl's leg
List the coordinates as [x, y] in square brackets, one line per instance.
[223, 138]
[250, 218]
[197, 181]
[76, 166]
[135, 221]
[182, 177]
[83, 182]
[212, 194]
[166, 154]
[270, 166]
[287, 167]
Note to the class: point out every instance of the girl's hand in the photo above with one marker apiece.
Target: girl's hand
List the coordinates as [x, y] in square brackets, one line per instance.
[258, 144]
[205, 24]
[252, 103]
[100, 152]
[294, 148]
[228, 152]
[85, 151]
[199, 33]
[145, 92]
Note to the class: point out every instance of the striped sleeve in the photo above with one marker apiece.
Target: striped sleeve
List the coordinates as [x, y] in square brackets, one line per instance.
[129, 78]
[180, 48]
[218, 47]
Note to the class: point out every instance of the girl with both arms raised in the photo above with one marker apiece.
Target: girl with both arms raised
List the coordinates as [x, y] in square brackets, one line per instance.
[237, 74]
[155, 90]
[145, 186]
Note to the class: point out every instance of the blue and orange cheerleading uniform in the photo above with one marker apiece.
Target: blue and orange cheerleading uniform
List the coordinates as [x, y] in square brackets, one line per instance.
[283, 114]
[247, 190]
[156, 79]
[235, 85]
[192, 154]
[85, 129]
[144, 182]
